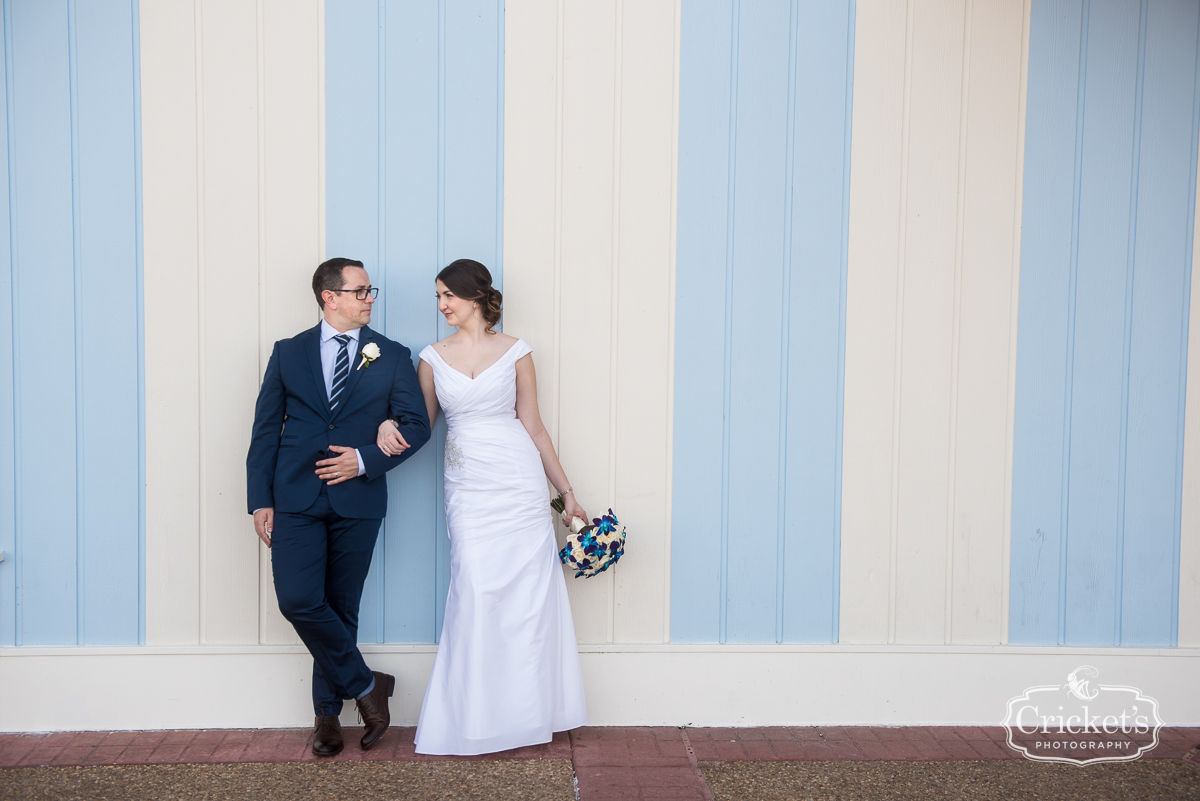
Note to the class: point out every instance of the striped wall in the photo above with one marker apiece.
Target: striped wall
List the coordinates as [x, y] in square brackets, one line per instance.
[868, 317]
[414, 126]
[71, 376]
[764, 165]
[1106, 262]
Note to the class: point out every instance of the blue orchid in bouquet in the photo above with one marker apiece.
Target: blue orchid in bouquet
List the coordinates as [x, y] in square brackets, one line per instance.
[591, 549]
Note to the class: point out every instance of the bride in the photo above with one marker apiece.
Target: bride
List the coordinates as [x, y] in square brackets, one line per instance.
[507, 667]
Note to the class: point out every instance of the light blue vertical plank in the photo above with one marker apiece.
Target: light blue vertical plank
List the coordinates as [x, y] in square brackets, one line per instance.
[412, 225]
[1053, 115]
[109, 317]
[47, 393]
[705, 102]
[1125, 310]
[8, 596]
[414, 179]
[820, 193]
[1159, 333]
[352, 185]
[1099, 336]
[473, 95]
[471, 159]
[758, 237]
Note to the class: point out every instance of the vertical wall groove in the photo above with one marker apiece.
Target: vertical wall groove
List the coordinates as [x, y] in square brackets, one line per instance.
[955, 336]
[672, 250]
[1127, 322]
[261, 136]
[10, 100]
[139, 257]
[728, 355]
[835, 568]
[201, 340]
[785, 328]
[77, 302]
[1071, 296]
[901, 250]
[615, 288]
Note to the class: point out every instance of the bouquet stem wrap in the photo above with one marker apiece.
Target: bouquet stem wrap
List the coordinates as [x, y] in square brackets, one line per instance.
[591, 549]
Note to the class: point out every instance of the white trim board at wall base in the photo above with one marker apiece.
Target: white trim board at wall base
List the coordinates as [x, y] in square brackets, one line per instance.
[191, 687]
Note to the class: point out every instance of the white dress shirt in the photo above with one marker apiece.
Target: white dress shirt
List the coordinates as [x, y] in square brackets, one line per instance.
[329, 352]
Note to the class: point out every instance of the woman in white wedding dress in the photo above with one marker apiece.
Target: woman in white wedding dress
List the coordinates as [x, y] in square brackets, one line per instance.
[507, 667]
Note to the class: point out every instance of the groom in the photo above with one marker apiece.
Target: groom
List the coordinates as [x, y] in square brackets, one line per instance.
[316, 489]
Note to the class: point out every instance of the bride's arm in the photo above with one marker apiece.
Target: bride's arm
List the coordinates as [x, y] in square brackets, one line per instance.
[531, 418]
[388, 437]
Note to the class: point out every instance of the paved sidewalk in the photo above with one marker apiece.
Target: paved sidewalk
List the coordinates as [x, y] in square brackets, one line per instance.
[608, 763]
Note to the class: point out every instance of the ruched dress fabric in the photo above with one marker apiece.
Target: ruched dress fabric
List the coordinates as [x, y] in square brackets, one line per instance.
[507, 667]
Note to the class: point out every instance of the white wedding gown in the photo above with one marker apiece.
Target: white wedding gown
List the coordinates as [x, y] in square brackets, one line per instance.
[507, 667]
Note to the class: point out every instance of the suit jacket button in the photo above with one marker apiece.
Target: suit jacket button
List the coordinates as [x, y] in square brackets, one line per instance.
[320, 452]
[331, 426]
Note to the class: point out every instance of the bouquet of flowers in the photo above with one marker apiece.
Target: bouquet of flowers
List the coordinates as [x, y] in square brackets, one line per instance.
[591, 549]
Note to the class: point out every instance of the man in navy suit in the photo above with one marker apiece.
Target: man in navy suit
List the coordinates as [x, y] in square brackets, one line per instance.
[316, 486]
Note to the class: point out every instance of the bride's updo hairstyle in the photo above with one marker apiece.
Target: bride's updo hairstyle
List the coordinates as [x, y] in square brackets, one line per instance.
[470, 280]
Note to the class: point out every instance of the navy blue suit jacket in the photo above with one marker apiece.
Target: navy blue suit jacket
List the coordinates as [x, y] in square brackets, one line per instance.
[294, 427]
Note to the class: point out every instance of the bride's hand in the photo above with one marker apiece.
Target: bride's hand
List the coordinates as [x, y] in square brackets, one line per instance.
[389, 440]
[572, 510]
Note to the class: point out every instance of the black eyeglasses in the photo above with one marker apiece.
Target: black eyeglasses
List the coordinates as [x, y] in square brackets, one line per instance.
[361, 294]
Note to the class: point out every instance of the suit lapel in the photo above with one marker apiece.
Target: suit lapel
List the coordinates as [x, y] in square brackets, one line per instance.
[312, 346]
[365, 335]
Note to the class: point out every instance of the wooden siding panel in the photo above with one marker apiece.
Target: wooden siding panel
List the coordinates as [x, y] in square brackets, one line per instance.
[413, 119]
[936, 146]
[1148, 585]
[171, 158]
[110, 396]
[763, 183]
[1123, 276]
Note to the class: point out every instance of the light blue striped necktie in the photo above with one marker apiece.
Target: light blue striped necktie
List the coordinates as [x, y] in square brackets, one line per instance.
[341, 370]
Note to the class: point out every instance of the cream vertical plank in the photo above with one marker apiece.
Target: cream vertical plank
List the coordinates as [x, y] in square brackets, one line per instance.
[589, 98]
[533, 151]
[230, 325]
[169, 180]
[1189, 534]
[930, 236]
[873, 281]
[290, 80]
[643, 358]
[531, 146]
[986, 372]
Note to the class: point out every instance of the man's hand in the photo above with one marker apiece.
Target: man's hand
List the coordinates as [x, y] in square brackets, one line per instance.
[389, 439]
[343, 468]
[264, 524]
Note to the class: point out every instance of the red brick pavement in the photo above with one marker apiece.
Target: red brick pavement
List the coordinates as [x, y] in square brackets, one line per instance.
[610, 762]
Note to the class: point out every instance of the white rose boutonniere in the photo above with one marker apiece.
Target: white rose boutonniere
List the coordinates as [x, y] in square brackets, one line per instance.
[370, 353]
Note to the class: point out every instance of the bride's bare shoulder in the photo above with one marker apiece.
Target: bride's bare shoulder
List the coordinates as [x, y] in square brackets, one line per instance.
[504, 341]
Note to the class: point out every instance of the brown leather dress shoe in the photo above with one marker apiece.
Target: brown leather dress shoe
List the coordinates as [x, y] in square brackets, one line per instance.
[373, 707]
[327, 739]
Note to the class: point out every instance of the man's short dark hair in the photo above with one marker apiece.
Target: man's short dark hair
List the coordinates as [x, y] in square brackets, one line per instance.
[329, 276]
